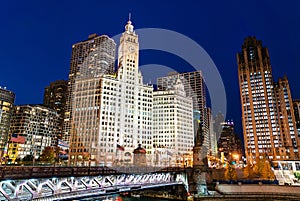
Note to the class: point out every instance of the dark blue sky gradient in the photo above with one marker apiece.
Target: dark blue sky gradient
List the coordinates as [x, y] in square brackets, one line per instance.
[36, 37]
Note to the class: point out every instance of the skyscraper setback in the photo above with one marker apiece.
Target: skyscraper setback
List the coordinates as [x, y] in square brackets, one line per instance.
[267, 114]
[90, 58]
[194, 87]
[111, 110]
[55, 98]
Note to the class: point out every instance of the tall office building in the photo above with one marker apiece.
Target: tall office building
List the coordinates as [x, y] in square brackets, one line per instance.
[229, 143]
[217, 124]
[90, 58]
[55, 95]
[296, 106]
[286, 116]
[112, 113]
[213, 148]
[7, 99]
[173, 123]
[195, 87]
[267, 112]
[33, 128]
[55, 98]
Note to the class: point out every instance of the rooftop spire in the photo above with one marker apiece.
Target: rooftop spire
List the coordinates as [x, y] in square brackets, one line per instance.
[129, 26]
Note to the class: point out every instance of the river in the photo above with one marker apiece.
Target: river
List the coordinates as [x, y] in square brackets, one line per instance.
[119, 198]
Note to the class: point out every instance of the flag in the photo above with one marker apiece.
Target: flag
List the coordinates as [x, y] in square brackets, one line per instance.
[18, 139]
[63, 152]
[119, 147]
[169, 153]
[62, 144]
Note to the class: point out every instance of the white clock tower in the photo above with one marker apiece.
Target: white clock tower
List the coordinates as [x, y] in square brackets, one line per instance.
[135, 99]
[128, 52]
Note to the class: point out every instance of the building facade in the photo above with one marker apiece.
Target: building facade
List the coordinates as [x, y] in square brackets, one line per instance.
[90, 58]
[229, 144]
[112, 113]
[7, 99]
[264, 105]
[286, 118]
[173, 132]
[296, 106]
[55, 97]
[195, 87]
[33, 127]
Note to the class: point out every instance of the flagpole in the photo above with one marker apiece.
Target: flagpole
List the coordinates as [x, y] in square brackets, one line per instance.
[117, 152]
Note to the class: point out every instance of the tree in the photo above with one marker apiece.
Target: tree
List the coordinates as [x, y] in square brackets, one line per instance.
[267, 172]
[262, 169]
[258, 167]
[48, 155]
[230, 173]
[28, 158]
[248, 172]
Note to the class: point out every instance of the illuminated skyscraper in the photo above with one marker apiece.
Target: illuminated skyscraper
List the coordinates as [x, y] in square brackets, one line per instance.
[229, 143]
[267, 113]
[7, 99]
[194, 87]
[90, 59]
[289, 146]
[38, 125]
[173, 121]
[55, 98]
[296, 106]
[112, 111]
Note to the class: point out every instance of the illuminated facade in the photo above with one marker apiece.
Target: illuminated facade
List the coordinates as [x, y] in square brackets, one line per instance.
[195, 87]
[39, 125]
[55, 98]
[112, 110]
[7, 99]
[267, 113]
[289, 146]
[229, 143]
[296, 106]
[90, 58]
[173, 122]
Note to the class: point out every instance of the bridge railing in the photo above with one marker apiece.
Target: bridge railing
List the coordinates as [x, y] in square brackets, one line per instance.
[26, 172]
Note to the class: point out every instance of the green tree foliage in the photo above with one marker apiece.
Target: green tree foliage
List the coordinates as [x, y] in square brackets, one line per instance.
[297, 175]
[230, 173]
[48, 155]
[28, 158]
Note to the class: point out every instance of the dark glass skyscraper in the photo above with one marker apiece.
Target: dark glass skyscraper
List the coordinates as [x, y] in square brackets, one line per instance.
[55, 98]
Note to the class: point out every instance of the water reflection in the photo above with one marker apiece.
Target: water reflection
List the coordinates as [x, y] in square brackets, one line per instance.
[120, 198]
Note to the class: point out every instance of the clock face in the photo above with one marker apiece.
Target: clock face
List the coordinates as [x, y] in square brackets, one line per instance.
[131, 49]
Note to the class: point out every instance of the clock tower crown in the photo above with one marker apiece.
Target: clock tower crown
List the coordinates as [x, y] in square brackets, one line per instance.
[129, 27]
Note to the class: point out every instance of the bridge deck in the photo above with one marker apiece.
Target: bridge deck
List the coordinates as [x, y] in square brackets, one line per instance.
[27, 172]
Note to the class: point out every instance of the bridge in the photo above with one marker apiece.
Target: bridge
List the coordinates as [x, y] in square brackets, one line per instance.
[65, 183]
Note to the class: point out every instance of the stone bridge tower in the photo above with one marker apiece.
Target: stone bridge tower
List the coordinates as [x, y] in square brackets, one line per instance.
[197, 183]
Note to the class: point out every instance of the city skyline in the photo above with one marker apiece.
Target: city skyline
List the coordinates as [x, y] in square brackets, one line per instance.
[47, 32]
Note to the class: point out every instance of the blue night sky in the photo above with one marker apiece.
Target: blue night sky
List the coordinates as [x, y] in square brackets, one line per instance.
[37, 36]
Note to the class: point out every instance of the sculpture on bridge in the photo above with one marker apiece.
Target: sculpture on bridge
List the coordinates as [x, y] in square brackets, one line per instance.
[198, 184]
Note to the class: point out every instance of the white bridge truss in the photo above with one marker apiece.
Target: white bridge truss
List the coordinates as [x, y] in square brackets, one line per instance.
[78, 187]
